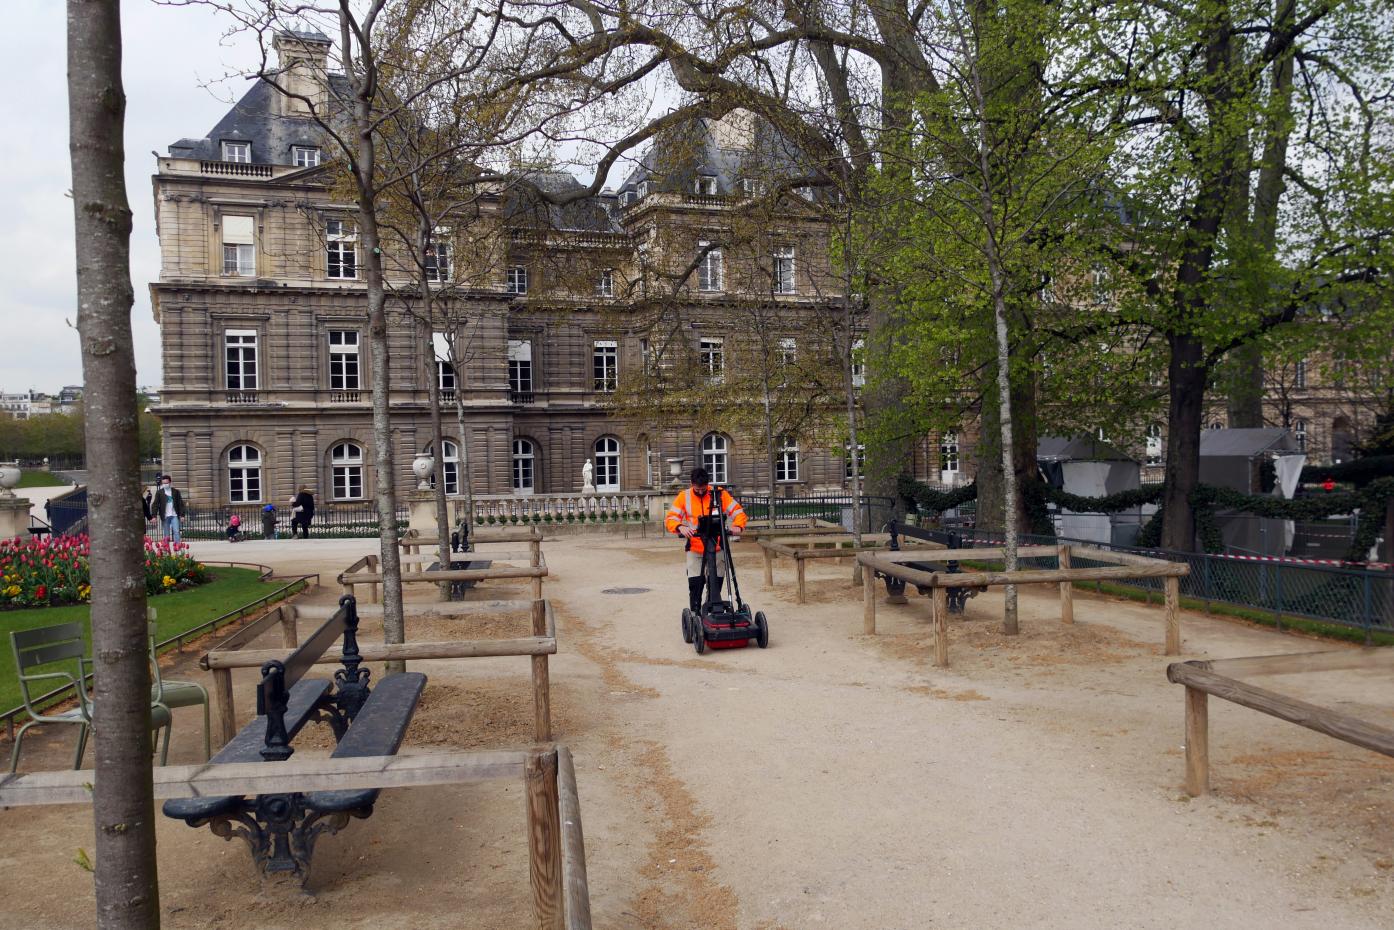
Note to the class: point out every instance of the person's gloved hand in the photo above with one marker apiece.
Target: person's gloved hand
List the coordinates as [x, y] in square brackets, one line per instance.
[685, 531]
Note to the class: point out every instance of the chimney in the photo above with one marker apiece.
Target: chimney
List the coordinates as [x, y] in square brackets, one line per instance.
[303, 62]
[734, 132]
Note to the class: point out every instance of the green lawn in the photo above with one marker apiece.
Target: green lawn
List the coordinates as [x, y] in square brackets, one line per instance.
[39, 479]
[230, 588]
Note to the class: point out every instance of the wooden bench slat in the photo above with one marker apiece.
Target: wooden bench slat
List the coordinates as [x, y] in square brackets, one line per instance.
[377, 730]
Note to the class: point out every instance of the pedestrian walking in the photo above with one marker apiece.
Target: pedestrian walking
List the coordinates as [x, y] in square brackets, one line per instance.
[302, 512]
[268, 522]
[168, 508]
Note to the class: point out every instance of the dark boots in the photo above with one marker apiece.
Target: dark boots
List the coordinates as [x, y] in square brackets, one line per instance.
[694, 593]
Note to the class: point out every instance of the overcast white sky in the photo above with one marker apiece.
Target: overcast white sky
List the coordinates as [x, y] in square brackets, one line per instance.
[169, 54]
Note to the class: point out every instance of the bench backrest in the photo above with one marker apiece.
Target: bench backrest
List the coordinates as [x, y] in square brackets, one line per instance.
[896, 529]
[279, 676]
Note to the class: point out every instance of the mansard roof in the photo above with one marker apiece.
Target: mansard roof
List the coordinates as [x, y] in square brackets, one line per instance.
[256, 119]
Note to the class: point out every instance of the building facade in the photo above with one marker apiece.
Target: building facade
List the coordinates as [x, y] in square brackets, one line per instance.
[262, 311]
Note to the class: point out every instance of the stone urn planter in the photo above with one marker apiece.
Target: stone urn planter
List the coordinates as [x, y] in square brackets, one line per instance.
[422, 467]
[9, 478]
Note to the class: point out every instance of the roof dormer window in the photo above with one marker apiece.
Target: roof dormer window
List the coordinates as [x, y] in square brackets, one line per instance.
[305, 156]
[705, 185]
[240, 152]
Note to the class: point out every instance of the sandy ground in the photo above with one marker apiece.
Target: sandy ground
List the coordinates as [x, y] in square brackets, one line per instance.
[833, 780]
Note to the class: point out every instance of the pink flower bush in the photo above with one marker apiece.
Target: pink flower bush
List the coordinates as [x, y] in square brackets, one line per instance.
[44, 571]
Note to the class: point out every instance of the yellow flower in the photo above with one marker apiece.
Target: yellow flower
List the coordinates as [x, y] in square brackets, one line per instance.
[12, 590]
[169, 582]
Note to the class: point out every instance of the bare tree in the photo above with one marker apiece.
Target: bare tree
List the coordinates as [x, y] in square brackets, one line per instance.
[123, 807]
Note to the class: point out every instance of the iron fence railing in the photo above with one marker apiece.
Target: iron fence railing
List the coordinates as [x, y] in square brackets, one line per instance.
[834, 508]
[334, 521]
[1350, 596]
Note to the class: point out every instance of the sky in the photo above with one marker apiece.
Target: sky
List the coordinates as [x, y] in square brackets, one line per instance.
[170, 54]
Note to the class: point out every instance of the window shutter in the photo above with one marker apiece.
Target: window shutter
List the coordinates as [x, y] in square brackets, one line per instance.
[238, 230]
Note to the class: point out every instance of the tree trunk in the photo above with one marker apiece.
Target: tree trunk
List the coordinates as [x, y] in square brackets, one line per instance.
[1186, 407]
[1245, 394]
[393, 626]
[123, 807]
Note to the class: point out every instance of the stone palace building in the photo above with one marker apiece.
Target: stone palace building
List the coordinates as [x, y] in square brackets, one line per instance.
[262, 312]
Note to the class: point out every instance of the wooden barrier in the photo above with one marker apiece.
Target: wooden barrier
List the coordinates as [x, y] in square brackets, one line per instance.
[1219, 677]
[1125, 566]
[221, 661]
[556, 850]
[366, 570]
[285, 615]
[827, 545]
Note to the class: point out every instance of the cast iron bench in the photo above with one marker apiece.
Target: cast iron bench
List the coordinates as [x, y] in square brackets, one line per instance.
[895, 587]
[281, 829]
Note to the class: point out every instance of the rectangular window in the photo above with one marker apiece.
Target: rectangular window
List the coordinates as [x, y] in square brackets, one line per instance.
[240, 353]
[343, 360]
[858, 363]
[519, 366]
[438, 256]
[605, 284]
[642, 190]
[860, 461]
[1299, 432]
[445, 369]
[341, 244]
[705, 185]
[1154, 445]
[239, 246]
[711, 357]
[948, 456]
[804, 191]
[786, 460]
[304, 156]
[710, 272]
[752, 187]
[784, 270]
[605, 365]
[516, 281]
[237, 151]
[348, 482]
[788, 351]
[1299, 375]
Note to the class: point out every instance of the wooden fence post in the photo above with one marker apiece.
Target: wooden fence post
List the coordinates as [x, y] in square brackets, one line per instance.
[1197, 742]
[573, 862]
[1172, 585]
[939, 614]
[869, 607]
[544, 839]
[800, 566]
[541, 685]
[769, 567]
[227, 715]
[1067, 588]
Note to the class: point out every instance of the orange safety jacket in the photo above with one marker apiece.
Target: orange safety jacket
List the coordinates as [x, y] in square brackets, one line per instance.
[687, 507]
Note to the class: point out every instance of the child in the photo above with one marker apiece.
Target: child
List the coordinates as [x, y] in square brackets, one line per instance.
[268, 522]
[234, 528]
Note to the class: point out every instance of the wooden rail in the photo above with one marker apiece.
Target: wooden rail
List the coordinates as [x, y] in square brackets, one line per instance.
[1204, 678]
[419, 554]
[825, 545]
[556, 845]
[230, 655]
[1124, 565]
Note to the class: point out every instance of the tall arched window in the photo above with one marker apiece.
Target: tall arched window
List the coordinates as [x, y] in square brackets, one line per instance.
[714, 457]
[449, 465]
[523, 466]
[948, 457]
[346, 468]
[244, 474]
[607, 464]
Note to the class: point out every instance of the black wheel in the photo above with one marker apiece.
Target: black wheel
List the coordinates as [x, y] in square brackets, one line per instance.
[686, 625]
[699, 636]
[762, 630]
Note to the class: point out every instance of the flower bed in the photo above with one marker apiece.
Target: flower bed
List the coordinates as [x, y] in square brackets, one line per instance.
[44, 571]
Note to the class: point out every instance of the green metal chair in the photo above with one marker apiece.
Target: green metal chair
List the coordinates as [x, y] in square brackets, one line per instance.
[174, 694]
[49, 646]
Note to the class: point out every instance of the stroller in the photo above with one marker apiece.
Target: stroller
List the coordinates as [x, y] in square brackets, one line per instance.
[721, 624]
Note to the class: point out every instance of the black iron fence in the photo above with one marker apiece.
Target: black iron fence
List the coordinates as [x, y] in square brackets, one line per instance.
[834, 508]
[334, 521]
[1269, 589]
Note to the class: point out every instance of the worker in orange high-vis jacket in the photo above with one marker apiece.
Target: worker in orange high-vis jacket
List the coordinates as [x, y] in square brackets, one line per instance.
[690, 504]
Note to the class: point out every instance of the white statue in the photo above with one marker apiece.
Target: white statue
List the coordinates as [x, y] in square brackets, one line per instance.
[587, 473]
